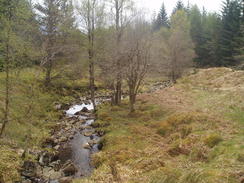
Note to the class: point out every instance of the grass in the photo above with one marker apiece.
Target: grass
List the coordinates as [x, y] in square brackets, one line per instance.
[200, 143]
[32, 114]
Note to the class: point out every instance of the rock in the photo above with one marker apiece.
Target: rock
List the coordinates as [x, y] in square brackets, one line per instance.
[56, 165]
[93, 142]
[63, 139]
[65, 180]
[58, 107]
[87, 146]
[50, 173]
[69, 169]
[46, 158]
[26, 181]
[57, 147]
[65, 153]
[88, 134]
[21, 152]
[49, 142]
[29, 169]
[84, 109]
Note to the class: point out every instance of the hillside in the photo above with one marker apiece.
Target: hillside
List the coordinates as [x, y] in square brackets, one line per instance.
[192, 132]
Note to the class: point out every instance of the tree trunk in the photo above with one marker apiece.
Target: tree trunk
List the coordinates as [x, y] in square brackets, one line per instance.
[91, 29]
[118, 88]
[48, 73]
[92, 79]
[132, 96]
[6, 111]
[132, 103]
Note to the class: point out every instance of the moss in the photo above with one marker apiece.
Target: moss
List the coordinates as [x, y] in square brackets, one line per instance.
[213, 140]
[10, 164]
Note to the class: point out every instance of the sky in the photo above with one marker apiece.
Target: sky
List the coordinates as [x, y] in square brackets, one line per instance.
[151, 6]
[154, 5]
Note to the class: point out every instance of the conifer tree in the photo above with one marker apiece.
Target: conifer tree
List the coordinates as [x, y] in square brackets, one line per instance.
[162, 18]
[179, 6]
[230, 33]
[49, 21]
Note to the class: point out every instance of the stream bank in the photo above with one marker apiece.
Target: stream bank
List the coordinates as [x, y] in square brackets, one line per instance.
[73, 140]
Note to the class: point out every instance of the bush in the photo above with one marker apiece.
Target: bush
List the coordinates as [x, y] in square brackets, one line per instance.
[212, 140]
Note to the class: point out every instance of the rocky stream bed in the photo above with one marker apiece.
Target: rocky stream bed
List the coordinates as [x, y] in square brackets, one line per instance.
[73, 140]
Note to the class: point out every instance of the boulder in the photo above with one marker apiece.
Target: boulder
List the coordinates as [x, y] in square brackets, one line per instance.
[29, 169]
[84, 109]
[69, 169]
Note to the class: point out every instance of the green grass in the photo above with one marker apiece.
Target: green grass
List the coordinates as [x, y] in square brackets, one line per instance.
[204, 144]
[32, 114]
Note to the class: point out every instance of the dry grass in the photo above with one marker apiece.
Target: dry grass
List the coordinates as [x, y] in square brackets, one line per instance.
[195, 135]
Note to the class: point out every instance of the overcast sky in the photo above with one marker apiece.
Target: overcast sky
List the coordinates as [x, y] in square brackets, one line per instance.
[154, 5]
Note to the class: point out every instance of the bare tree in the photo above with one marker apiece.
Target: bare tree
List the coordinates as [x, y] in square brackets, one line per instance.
[91, 13]
[122, 15]
[137, 62]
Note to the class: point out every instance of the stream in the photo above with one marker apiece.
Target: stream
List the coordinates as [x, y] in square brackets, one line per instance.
[73, 140]
[84, 142]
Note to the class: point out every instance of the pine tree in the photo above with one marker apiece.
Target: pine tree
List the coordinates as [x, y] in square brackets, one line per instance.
[50, 19]
[179, 6]
[162, 18]
[230, 34]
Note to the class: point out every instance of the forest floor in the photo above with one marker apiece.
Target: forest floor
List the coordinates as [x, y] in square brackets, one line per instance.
[192, 132]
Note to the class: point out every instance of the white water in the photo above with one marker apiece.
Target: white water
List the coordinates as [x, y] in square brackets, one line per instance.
[76, 108]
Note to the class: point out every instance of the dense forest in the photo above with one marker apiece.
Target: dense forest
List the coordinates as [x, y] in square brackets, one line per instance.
[165, 92]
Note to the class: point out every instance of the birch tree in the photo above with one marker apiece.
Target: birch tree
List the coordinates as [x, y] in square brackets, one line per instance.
[92, 14]
[122, 14]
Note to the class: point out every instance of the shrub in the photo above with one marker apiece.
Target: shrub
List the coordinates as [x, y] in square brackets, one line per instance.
[212, 140]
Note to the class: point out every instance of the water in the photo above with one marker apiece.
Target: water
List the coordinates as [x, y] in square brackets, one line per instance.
[81, 155]
[77, 108]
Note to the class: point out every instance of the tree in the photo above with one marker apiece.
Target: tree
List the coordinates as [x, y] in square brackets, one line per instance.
[230, 32]
[162, 18]
[13, 45]
[91, 13]
[50, 18]
[122, 15]
[137, 59]
[180, 46]
[179, 6]
[198, 34]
